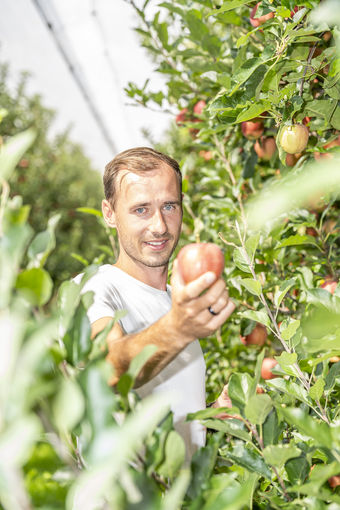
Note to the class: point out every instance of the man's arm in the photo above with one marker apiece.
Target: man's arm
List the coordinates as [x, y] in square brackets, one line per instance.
[188, 319]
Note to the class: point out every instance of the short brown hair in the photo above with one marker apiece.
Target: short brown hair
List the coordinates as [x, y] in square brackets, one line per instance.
[136, 160]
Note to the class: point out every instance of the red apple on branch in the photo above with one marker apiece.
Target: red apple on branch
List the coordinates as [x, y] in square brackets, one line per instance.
[252, 129]
[256, 22]
[197, 259]
[257, 336]
[182, 116]
[266, 369]
[199, 107]
[265, 148]
[330, 284]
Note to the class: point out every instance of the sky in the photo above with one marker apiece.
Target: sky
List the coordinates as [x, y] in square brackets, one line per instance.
[98, 36]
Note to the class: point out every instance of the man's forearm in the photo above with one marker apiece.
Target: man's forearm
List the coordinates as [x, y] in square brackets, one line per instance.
[162, 334]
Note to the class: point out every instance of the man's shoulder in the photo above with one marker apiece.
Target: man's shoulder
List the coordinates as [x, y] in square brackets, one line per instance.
[102, 276]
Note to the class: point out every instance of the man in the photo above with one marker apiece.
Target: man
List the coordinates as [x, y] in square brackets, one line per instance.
[144, 203]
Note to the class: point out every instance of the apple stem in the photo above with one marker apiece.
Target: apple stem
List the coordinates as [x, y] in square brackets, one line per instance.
[309, 59]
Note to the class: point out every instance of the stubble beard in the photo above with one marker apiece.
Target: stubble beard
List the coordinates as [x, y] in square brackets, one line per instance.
[149, 261]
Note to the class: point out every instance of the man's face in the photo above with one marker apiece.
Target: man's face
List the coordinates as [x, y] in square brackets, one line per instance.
[148, 216]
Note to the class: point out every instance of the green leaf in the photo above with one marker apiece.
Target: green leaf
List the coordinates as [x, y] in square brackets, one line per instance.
[252, 112]
[227, 6]
[174, 455]
[271, 429]
[211, 412]
[232, 495]
[297, 469]
[241, 260]
[333, 373]
[36, 284]
[286, 361]
[43, 243]
[288, 332]
[78, 338]
[308, 425]
[68, 406]
[252, 286]
[202, 466]
[296, 241]
[278, 454]
[173, 498]
[316, 390]
[90, 210]
[240, 388]
[257, 408]
[230, 426]
[12, 152]
[249, 459]
[251, 245]
[127, 380]
[257, 316]
[282, 291]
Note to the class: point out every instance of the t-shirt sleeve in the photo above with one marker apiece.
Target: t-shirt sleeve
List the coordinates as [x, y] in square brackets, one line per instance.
[105, 301]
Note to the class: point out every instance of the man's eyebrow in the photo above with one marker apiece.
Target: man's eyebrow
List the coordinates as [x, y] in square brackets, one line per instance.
[135, 206]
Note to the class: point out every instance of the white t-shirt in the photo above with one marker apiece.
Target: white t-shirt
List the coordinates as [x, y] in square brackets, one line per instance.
[184, 377]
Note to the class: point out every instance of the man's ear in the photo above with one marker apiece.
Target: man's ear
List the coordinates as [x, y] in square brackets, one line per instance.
[108, 214]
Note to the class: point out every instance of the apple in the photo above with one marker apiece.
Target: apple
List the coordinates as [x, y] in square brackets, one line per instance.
[329, 284]
[197, 258]
[199, 107]
[23, 163]
[310, 231]
[257, 336]
[252, 129]
[266, 369]
[329, 145]
[294, 139]
[182, 116]
[329, 227]
[292, 159]
[265, 148]
[334, 481]
[256, 22]
[207, 155]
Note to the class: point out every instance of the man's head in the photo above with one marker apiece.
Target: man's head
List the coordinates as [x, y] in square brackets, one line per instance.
[144, 203]
[138, 160]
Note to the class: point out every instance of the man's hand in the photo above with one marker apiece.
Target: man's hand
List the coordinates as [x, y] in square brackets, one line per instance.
[190, 313]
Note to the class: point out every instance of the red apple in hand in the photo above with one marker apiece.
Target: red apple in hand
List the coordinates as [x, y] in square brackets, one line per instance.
[256, 22]
[257, 336]
[197, 259]
[266, 370]
[252, 129]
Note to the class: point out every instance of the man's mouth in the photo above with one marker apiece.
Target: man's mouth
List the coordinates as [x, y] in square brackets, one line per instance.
[157, 245]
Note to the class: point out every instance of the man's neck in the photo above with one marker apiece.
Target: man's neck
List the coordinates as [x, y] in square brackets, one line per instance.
[156, 277]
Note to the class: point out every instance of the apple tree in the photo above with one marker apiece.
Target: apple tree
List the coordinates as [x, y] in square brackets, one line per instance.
[254, 89]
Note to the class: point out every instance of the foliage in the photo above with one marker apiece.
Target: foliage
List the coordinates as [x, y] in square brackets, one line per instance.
[53, 176]
[66, 439]
[220, 72]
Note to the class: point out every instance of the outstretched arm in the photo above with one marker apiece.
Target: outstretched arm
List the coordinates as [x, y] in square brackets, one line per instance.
[188, 319]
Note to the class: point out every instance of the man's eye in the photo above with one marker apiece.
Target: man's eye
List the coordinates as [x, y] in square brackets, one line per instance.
[169, 207]
[140, 210]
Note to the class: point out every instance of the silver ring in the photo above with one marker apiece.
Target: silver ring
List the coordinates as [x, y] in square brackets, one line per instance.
[212, 311]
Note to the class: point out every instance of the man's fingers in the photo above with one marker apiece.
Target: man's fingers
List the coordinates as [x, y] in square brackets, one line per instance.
[216, 297]
[193, 289]
[217, 320]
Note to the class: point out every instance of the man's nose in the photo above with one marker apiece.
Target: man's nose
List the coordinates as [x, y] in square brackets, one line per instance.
[158, 225]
